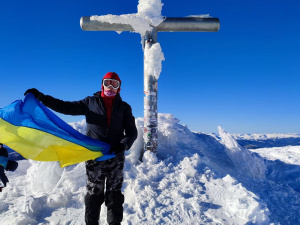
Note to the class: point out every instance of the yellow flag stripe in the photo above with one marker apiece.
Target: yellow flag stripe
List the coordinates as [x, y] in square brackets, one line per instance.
[41, 146]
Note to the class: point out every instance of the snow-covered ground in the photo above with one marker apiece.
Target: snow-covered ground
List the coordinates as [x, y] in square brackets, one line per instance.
[196, 178]
[287, 154]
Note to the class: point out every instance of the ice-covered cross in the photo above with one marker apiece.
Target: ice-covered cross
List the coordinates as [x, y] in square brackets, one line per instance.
[147, 22]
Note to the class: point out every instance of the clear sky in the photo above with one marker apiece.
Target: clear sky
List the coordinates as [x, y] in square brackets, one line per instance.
[245, 78]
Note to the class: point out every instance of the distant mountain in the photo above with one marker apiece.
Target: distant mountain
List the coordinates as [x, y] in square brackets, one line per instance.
[253, 141]
[250, 141]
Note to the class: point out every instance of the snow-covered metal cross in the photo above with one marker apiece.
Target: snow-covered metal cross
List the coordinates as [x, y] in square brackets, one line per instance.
[148, 21]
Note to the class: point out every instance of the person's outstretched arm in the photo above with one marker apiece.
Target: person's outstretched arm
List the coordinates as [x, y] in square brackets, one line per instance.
[65, 107]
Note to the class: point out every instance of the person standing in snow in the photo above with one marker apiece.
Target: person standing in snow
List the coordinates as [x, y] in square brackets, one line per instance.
[110, 120]
[5, 164]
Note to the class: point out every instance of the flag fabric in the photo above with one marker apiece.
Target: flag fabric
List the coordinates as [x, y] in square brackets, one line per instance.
[35, 132]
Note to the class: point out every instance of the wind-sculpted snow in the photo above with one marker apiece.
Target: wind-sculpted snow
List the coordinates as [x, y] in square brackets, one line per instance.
[196, 178]
[246, 162]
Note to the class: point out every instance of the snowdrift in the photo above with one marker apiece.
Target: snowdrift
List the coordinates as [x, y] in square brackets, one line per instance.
[196, 178]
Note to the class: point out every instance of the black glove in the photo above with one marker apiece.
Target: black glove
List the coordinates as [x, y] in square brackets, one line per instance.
[118, 148]
[34, 91]
[11, 165]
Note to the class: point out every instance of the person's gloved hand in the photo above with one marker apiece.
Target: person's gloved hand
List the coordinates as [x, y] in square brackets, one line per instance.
[118, 148]
[11, 165]
[34, 91]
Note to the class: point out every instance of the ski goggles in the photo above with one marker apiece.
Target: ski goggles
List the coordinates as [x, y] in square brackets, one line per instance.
[111, 83]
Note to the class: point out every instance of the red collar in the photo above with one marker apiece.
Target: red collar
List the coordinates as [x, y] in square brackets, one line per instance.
[107, 97]
[108, 104]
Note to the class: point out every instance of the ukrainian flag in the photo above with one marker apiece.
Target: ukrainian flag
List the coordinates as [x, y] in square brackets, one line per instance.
[36, 133]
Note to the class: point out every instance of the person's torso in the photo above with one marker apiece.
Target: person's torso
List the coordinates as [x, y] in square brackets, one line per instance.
[96, 120]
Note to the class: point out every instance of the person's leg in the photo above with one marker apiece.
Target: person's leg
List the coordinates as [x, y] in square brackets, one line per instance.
[93, 204]
[95, 191]
[114, 198]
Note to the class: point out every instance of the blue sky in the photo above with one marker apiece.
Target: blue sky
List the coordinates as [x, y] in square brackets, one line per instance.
[245, 78]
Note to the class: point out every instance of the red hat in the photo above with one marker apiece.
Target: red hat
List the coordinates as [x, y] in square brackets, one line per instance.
[111, 75]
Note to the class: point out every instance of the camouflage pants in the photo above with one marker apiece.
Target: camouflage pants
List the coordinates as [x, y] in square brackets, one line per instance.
[104, 175]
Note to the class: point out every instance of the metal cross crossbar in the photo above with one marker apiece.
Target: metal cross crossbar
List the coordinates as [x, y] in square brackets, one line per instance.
[186, 24]
[183, 24]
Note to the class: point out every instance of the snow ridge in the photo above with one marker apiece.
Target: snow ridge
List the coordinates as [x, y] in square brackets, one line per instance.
[245, 161]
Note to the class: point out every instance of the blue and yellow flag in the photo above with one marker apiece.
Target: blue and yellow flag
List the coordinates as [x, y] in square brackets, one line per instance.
[32, 130]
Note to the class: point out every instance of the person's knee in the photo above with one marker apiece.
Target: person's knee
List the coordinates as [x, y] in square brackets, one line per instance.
[94, 199]
[114, 198]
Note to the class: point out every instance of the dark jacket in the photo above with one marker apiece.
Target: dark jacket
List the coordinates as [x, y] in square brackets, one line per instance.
[122, 127]
[3, 177]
